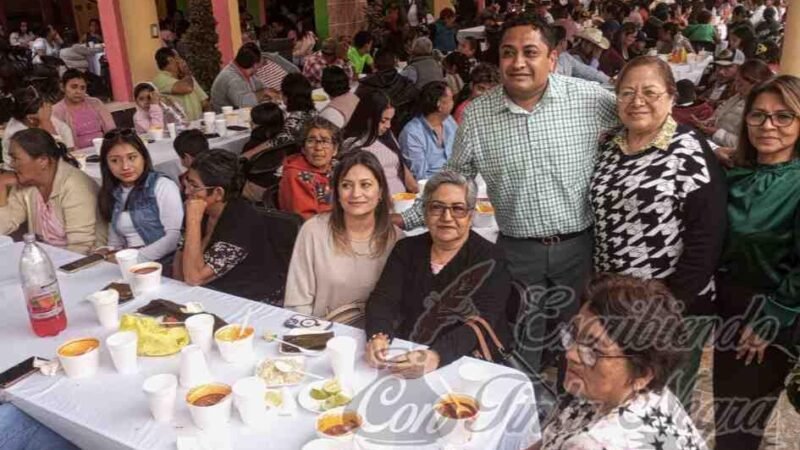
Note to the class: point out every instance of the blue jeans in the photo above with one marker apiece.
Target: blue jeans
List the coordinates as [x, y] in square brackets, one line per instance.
[19, 431]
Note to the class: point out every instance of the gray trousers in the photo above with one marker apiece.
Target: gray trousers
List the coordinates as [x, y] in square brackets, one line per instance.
[555, 277]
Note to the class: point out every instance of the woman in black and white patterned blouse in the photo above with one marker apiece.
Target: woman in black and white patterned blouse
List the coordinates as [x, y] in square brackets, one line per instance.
[659, 198]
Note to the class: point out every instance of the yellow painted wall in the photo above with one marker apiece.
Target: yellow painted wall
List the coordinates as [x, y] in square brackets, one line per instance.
[161, 8]
[439, 5]
[236, 30]
[138, 16]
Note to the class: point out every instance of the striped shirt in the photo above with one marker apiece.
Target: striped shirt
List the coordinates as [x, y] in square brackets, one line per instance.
[537, 164]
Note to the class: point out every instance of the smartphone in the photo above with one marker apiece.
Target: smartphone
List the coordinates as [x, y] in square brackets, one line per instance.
[82, 263]
[18, 373]
[93, 159]
[237, 128]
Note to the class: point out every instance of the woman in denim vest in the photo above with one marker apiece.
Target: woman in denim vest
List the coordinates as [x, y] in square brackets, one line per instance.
[143, 207]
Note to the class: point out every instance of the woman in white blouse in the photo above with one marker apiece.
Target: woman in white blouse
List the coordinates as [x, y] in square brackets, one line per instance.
[339, 256]
[142, 207]
[30, 110]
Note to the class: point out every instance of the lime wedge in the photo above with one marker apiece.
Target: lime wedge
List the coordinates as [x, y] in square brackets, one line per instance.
[273, 398]
[318, 394]
[332, 387]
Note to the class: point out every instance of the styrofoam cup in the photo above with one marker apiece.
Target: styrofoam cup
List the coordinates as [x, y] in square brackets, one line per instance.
[221, 126]
[143, 283]
[201, 330]
[161, 392]
[214, 416]
[237, 350]
[106, 305]
[208, 121]
[80, 357]
[97, 143]
[342, 353]
[122, 347]
[173, 130]
[227, 109]
[248, 396]
[194, 370]
[125, 260]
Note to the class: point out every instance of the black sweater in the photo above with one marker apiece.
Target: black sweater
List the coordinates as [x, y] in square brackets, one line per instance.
[410, 302]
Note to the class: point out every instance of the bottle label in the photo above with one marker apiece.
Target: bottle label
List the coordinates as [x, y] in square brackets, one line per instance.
[47, 303]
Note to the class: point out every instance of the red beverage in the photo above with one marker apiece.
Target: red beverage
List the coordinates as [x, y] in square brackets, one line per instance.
[40, 286]
[47, 314]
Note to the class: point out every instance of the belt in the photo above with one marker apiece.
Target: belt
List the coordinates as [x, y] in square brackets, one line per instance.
[556, 239]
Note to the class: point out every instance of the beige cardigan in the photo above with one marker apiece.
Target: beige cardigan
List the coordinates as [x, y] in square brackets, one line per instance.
[74, 198]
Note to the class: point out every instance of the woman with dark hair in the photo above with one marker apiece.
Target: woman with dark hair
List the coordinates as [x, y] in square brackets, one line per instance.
[342, 103]
[427, 139]
[620, 52]
[456, 68]
[339, 256]
[48, 191]
[306, 40]
[31, 110]
[268, 121]
[296, 92]
[142, 207]
[370, 129]
[665, 181]
[225, 245]
[724, 126]
[86, 116]
[305, 184]
[622, 349]
[94, 34]
[759, 275]
[743, 39]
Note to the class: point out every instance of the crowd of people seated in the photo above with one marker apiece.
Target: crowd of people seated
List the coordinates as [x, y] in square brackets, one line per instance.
[645, 197]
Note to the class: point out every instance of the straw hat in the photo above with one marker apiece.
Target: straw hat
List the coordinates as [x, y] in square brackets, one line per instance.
[594, 36]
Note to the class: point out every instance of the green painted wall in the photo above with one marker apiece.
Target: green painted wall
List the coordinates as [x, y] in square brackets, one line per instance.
[321, 18]
[181, 5]
[253, 7]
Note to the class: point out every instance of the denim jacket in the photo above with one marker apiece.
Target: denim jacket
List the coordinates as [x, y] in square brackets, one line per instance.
[143, 208]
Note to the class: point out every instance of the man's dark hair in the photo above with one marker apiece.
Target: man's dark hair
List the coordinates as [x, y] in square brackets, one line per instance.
[335, 81]
[246, 58]
[362, 38]
[686, 91]
[297, 90]
[428, 101]
[162, 57]
[190, 142]
[385, 59]
[527, 20]
[559, 33]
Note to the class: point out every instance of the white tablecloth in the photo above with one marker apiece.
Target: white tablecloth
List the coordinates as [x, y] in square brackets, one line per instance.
[166, 161]
[478, 32]
[692, 70]
[109, 411]
[94, 60]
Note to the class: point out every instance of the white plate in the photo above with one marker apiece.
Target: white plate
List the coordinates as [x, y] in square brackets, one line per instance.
[299, 331]
[300, 358]
[315, 406]
[325, 444]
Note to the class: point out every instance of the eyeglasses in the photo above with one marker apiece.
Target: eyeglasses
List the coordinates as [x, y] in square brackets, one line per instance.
[325, 142]
[587, 354]
[779, 119]
[648, 96]
[457, 211]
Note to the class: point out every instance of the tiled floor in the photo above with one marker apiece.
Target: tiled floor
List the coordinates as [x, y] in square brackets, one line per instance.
[783, 432]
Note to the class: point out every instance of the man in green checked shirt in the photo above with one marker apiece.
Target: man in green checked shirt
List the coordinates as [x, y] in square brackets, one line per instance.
[534, 141]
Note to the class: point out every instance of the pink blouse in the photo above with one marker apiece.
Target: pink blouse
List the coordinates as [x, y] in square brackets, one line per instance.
[48, 225]
[86, 124]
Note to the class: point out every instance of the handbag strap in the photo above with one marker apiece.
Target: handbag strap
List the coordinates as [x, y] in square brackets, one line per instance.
[483, 349]
[481, 321]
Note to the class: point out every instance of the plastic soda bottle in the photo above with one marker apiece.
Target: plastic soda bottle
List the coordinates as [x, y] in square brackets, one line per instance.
[40, 287]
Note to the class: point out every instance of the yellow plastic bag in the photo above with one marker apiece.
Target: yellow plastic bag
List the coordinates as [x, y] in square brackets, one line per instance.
[154, 338]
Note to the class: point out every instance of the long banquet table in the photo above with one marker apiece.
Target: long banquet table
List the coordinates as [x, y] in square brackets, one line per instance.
[109, 410]
[166, 160]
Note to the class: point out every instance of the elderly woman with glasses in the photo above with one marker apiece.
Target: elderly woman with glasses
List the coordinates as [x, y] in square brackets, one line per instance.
[305, 186]
[435, 283]
[621, 349]
[759, 277]
[658, 196]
